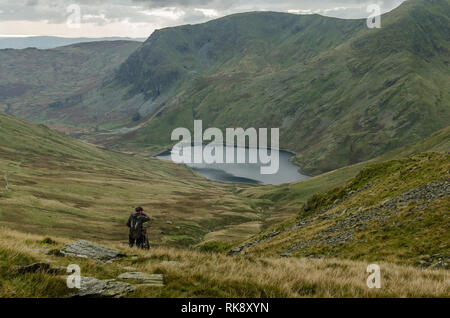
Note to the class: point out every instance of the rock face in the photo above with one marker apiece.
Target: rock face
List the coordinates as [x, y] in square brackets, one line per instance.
[239, 249]
[92, 250]
[155, 280]
[92, 287]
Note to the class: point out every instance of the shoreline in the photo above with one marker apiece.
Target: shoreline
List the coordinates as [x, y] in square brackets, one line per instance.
[166, 153]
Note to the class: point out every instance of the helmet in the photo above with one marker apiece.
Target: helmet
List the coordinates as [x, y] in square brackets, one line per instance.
[139, 209]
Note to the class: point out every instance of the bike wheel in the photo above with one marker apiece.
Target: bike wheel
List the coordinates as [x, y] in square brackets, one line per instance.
[146, 243]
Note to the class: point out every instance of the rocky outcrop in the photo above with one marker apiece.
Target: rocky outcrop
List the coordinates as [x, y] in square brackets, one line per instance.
[435, 261]
[92, 287]
[87, 249]
[239, 249]
[153, 280]
[341, 232]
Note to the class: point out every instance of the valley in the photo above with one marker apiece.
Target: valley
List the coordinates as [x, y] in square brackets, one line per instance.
[365, 112]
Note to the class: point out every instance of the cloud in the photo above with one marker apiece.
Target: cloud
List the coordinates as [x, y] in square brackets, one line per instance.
[148, 15]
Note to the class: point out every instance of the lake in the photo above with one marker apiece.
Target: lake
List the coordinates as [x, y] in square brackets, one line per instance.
[244, 172]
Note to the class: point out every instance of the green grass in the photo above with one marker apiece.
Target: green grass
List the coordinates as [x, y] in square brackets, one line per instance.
[400, 233]
[61, 186]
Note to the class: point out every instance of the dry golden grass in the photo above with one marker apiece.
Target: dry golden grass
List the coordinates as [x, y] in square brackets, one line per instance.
[189, 273]
[293, 277]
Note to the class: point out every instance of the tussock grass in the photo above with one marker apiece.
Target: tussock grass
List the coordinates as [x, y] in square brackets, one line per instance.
[191, 273]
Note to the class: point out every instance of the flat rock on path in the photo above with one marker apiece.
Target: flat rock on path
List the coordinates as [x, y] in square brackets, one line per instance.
[87, 249]
[152, 280]
[92, 287]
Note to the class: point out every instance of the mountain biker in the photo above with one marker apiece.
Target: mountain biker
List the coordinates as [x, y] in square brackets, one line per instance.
[135, 223]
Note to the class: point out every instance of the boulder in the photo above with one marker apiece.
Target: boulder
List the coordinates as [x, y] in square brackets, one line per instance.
[87, 249]
[93, 287]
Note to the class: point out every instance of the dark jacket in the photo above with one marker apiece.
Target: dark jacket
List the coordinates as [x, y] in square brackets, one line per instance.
[135, 222]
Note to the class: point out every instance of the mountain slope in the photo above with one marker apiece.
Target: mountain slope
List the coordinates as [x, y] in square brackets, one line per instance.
[60, 186]
[172, 59]
[282, 202]
[40, 85]
[340, 92]
[394, 211]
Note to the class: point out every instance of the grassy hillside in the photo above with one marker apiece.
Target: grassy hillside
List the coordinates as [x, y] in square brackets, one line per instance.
[282, 203]
[60, 186]
[370, 107]
[394, 211]
[60, 190]
[41, 85]
[341, 93]
[286, 199]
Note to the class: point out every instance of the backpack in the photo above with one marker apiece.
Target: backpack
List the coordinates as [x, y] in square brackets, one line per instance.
[136, 226]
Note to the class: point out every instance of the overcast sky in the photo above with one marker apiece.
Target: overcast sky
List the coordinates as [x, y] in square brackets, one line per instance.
[139, 18]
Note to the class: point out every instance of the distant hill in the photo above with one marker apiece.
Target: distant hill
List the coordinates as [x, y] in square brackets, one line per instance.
[50, 42]
[35, 84]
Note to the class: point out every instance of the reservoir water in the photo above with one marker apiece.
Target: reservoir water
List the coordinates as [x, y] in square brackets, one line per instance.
[244, 172]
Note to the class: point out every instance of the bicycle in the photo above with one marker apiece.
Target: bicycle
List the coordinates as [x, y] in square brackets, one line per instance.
[145, 241]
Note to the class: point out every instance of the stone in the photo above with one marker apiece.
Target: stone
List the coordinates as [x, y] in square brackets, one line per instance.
[239, 249]
[87, 249]
[155, 280]
[93, 287]
[33, 268]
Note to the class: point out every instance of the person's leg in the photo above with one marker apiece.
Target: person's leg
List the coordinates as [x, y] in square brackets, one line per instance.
[139, 242]
[131, 241]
